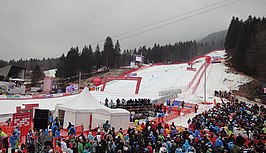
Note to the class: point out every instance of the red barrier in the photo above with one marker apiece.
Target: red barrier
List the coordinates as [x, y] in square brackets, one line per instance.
[3, 124]
[207, 103]
[166, 118]
[8, 129]
[67, 94]
[38, 97]
[187, 111]
[79, 129]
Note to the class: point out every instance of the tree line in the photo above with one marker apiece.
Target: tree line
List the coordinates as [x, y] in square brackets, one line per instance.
[44, 64]
[111, 56]
[88, 60]
[245, 46]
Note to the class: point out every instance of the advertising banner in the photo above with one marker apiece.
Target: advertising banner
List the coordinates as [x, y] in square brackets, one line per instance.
[21, 119]
[47, 84]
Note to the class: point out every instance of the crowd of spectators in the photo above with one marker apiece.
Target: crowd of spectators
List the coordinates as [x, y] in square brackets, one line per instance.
[228, 127]
[232, 126]
[223, 94]
[131, 103]
[141, 107]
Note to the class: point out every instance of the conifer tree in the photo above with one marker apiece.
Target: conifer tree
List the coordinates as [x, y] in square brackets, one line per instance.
[37, 75]
[108, 52]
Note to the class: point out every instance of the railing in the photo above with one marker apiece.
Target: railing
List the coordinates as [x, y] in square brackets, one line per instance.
[174, 113]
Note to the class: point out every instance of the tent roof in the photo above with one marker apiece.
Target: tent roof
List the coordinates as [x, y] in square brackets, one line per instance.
[112, 111]
[82, 102]
[119, 110]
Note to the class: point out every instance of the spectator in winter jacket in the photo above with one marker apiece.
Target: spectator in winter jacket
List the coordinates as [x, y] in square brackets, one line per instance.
[4, 137]
[230, 146]
[13, 139]
[80, 145]
[106, 126]
[90, 137]
[54, 128]
[163, 149]
[51, 119]
[186, 146]
[72, 131]
[218, 142]
[57, 133]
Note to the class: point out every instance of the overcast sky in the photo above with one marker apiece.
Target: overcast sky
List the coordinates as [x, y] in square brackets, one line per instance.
[48, 28]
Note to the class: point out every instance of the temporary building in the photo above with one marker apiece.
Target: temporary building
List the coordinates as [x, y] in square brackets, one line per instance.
[85, 110]
[118, 118]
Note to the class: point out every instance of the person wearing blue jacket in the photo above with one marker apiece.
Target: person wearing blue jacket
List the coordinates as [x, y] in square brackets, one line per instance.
[72, 131]
[153, 137]
[13, 139]
[17, 132]
[168, 146]
[57, 133]
[217, 129]
[197, 133]
[90, 137]
[54, 128]
[51, 119]
[186, 146]
[178, 150]
[231, 146]
[46, 132]
[147, 120]
[209, 144]
[218, 142]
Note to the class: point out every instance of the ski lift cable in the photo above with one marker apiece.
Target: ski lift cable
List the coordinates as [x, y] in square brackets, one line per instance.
[152, 24]
[161, 21]
[179, 20]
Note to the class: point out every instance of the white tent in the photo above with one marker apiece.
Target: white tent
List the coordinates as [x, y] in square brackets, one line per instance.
[119, 118]
[86, 110]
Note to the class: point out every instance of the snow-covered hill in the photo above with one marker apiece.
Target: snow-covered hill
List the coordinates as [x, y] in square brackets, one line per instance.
[156, 78]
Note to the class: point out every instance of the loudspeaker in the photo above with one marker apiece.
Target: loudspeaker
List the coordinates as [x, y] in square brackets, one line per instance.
[40, 123]
[41, 118]
[41, 113]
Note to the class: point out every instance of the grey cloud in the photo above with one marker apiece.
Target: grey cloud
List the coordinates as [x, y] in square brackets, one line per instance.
[49, 28]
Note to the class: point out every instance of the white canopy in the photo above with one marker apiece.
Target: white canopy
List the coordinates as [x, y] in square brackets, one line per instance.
[85, 109]
[118, 118]
[84, 102]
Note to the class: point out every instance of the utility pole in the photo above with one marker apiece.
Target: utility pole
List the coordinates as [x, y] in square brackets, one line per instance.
[207, 61]
[205, 82]
[79, 79]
